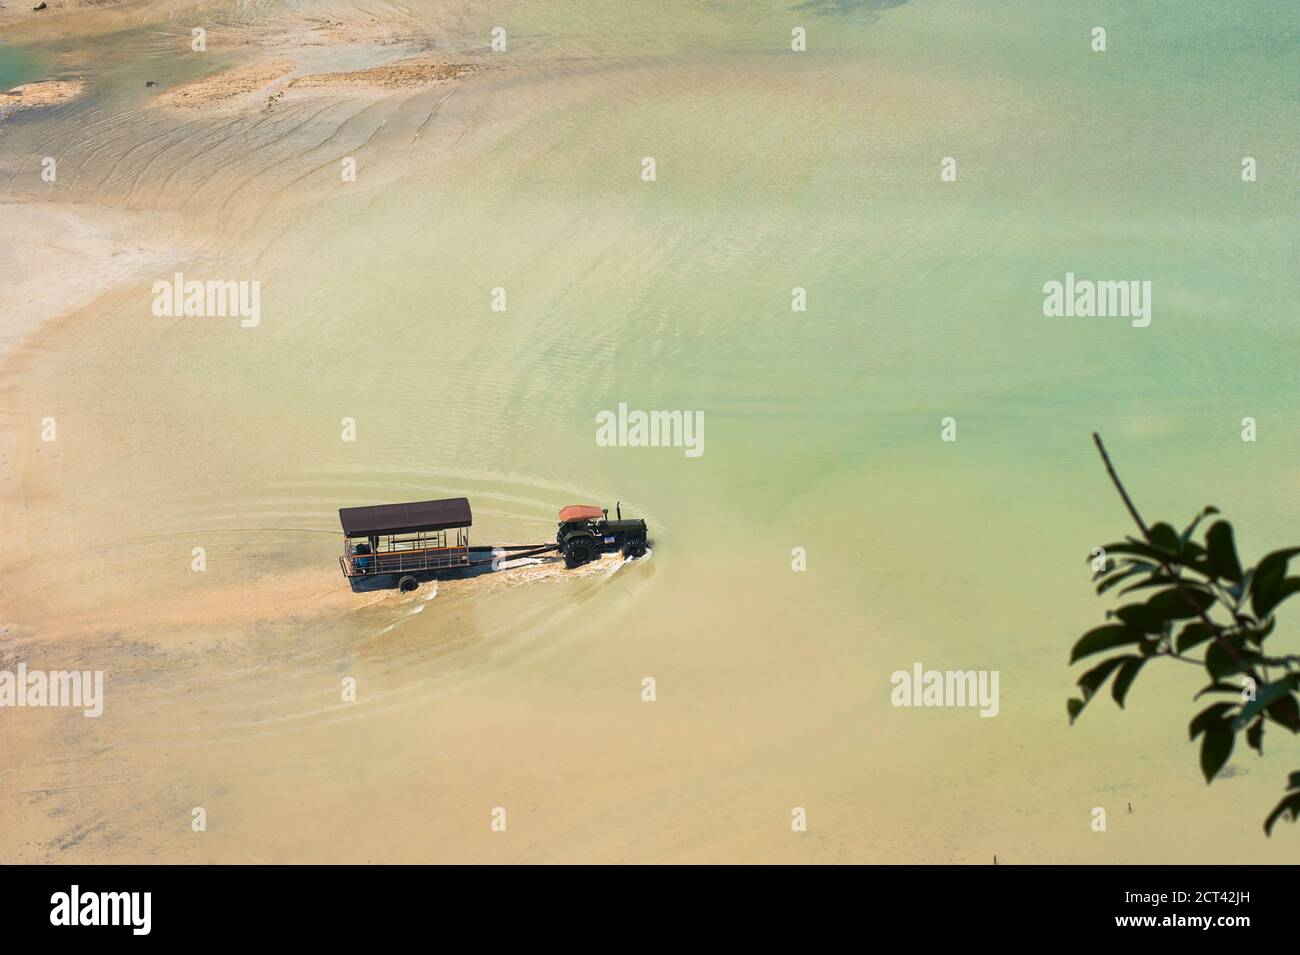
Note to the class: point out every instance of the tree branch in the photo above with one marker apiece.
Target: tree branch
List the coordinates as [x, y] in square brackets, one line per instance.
[1215, 630]
[1128, 501]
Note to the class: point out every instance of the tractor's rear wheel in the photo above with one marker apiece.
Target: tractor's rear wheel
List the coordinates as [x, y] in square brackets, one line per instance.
[579, 552]
[407, 583]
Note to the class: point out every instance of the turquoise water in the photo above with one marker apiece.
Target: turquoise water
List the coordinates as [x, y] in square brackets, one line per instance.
[16, 66]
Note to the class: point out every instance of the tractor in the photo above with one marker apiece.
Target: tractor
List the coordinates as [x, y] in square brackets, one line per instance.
[586, 532]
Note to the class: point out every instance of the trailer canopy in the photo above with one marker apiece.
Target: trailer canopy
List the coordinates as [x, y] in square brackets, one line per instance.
[405, 518]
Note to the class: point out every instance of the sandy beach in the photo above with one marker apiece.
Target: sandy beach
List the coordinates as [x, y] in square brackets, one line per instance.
[381, 172]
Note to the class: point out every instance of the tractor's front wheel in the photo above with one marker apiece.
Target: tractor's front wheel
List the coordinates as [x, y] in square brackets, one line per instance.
[634, 549]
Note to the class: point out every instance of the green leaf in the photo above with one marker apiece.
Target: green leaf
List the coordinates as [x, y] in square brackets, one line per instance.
[1284, 712]
[1191, 528]
[1220, 662]
[1155, 580]
[1180, 603]
[1213, 714]
[1136, 567]
[1223, 551]
[1270, 602]
[1139, 617]
[1266, 589]
[1264, 695]
[1164, 537]
[1216, 747]
[1255, 736]
[1124, 679]
[1103, 638]
[1217, 688]
[1289, 805]
[1091, 681]
[1193, 635]
[1138, 549]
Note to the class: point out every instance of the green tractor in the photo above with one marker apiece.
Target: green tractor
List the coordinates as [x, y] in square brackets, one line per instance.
[586, 532]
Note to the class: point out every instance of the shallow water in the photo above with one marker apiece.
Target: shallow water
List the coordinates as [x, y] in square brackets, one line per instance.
[16, 66]
[822, 431]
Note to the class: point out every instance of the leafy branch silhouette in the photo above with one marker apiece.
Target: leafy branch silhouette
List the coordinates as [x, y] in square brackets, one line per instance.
[1223, 614]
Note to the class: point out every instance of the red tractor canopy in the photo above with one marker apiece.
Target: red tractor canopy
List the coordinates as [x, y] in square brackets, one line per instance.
[580, 512]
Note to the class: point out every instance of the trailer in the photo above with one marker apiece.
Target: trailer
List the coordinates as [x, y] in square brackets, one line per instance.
[402, 543]
[401, 540]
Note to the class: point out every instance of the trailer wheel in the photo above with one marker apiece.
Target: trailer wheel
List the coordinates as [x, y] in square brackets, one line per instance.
[407, 583]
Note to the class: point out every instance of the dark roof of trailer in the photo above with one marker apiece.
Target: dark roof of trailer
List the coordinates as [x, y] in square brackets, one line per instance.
[405, 518]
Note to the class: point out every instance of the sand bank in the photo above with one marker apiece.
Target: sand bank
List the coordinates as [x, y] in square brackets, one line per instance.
[231, 88]
[266, 82]
[402, 75]
[41, 93]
